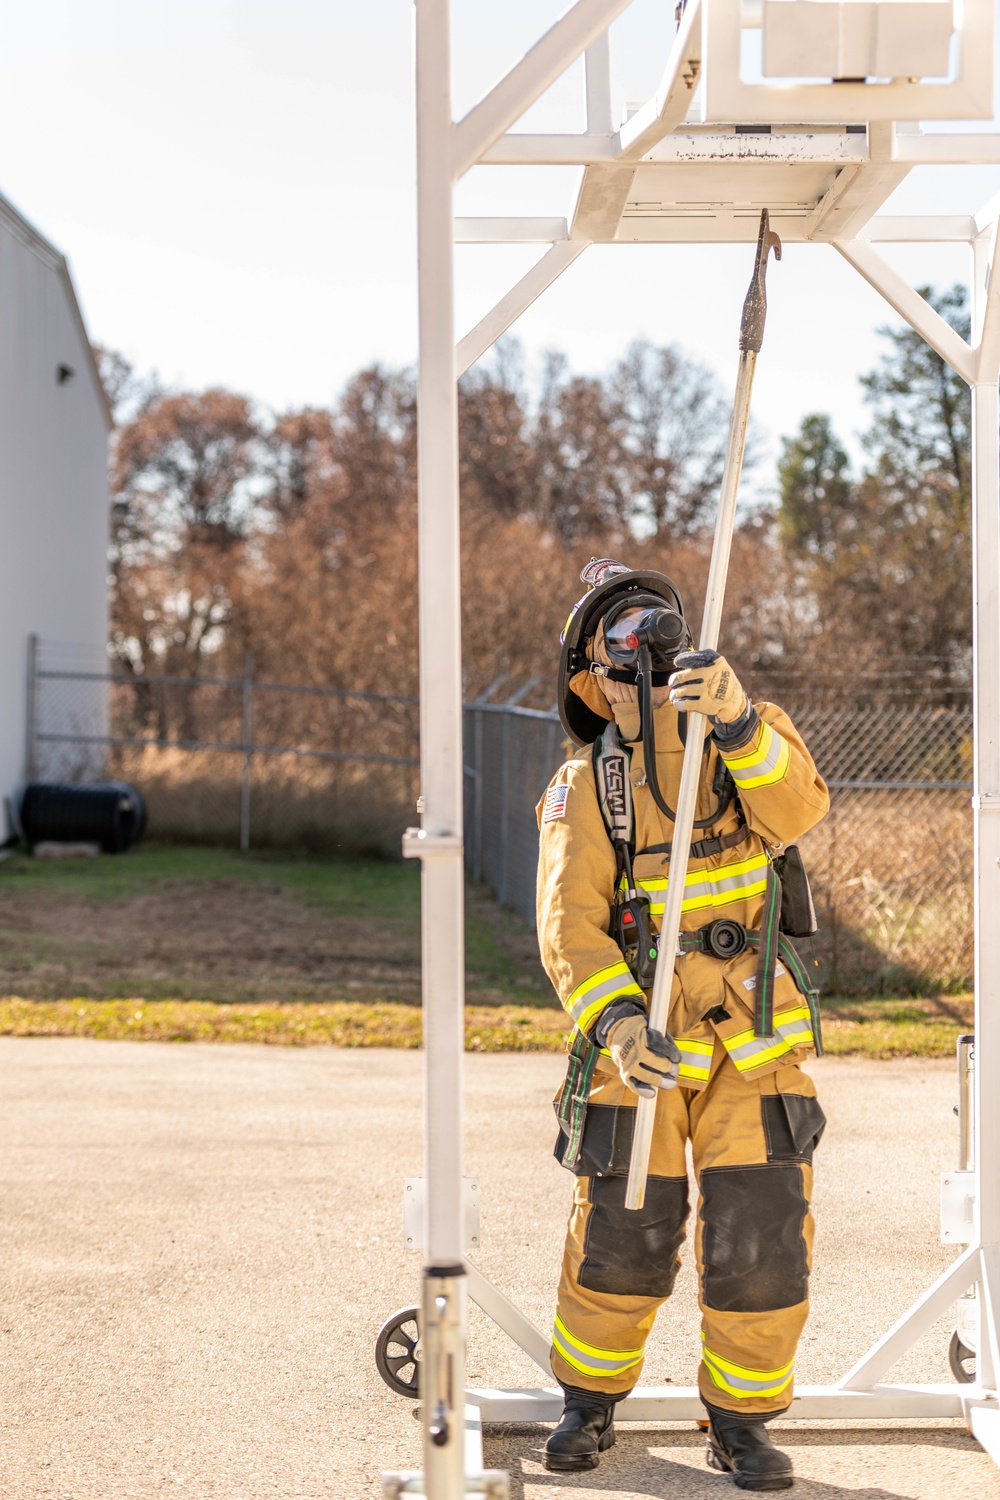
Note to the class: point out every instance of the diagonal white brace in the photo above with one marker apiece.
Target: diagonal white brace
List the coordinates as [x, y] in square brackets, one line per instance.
[910, 305]
[528, 79]
[508, 1317]
[915, 1321]
[520, 297]
[672, 100]
[985, 217]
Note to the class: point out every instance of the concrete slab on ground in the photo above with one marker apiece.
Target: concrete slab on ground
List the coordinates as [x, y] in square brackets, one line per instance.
[199, 1245]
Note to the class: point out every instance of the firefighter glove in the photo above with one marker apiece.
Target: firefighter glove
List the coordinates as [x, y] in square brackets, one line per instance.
[706, 684]
[647, 1060]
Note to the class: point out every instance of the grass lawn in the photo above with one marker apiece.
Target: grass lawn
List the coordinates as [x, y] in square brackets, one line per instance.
[185, 944]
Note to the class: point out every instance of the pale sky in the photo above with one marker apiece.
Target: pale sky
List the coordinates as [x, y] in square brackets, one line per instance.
[233, 182]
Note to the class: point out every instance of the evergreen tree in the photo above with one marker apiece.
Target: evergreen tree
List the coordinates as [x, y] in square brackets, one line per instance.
[888, 554]
[815, 487]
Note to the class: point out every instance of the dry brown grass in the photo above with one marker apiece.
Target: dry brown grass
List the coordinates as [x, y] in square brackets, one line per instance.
[892, 877]
[295, 802]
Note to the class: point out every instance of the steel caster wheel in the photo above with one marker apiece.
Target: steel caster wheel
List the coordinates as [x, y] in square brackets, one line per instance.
[398, 1353]
[962, 1361]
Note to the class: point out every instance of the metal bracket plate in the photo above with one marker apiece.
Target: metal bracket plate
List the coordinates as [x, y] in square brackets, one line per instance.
[958, 1207]
[419, 844]
[415, 1207]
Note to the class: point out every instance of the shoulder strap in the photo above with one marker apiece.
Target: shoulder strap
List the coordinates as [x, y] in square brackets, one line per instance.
[614, 790]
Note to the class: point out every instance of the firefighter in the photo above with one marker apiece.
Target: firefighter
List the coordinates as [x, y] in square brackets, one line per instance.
[743, 1015]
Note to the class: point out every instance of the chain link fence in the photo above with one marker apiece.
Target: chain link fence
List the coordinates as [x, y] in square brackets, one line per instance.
[230, 758]
[297, 765]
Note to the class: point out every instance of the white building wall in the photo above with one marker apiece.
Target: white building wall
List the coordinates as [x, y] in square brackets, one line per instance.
[54, 504]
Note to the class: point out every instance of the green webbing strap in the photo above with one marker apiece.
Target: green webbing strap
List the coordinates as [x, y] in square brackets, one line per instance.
[767, 956]
[572, 1109]
[809, 993]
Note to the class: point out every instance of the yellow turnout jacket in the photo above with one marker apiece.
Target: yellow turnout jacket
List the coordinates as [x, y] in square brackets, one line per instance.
[782, 796]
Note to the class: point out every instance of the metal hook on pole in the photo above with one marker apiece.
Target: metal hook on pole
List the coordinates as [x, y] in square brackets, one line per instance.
[755, 305]
[751, 339]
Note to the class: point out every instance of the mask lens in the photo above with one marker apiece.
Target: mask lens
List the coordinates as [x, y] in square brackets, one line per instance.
[620, 639]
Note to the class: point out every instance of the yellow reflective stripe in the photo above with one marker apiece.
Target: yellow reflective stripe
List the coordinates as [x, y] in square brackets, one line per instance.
[792, 1028]
[589, 998]
[766, 763]
[737, 881]
[739, 1381]
[588, 1358]
[696, 1058]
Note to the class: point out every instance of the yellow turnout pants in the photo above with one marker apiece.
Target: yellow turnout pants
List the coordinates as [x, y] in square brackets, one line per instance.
[752, 1143]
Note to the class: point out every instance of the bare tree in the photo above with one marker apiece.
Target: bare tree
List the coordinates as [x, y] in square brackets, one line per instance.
[674, 423]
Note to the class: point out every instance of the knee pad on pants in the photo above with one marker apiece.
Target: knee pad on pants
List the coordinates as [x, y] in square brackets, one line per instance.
[753, 1249]
[634, 1253]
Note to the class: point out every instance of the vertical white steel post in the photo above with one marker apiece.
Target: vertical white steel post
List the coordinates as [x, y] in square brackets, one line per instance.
[986, 801]
[439, 842]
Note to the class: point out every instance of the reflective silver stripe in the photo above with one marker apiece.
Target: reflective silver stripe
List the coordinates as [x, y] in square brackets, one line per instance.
[792, 1028]
[739, 1381]
[588, 1358]
[760, 766]
[696, 1057]
[725, 883]
[598, 991]
[711, 888]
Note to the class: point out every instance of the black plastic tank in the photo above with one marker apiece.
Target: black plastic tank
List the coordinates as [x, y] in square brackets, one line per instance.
[109, 813]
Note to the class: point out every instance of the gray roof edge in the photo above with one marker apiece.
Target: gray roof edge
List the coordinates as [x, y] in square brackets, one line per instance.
[23, 230]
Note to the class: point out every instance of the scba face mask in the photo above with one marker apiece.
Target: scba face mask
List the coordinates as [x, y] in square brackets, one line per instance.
[646, 622]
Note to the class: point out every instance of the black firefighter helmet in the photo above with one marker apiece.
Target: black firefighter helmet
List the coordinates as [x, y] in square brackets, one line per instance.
[611, 585]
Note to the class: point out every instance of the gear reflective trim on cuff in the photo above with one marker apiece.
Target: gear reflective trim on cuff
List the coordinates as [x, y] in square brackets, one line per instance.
[588, 1359]
[792, 1028]
[737, 881]
[589, 998]
[763, 765]
[696, 1059]
[737, 1380]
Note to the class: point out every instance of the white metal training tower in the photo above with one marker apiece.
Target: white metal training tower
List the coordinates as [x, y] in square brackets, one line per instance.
[838, 102]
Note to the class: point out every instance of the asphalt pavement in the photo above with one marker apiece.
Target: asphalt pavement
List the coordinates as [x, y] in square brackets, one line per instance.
[200, 1243]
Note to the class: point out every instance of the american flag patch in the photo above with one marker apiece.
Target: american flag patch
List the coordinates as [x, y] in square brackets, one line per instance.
[555, 803]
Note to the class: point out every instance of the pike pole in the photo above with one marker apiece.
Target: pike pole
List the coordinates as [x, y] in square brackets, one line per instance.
[751, 338]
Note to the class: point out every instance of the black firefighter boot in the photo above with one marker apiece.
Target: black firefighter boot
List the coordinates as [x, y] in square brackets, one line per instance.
[741, 1447]
[586, 1429]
